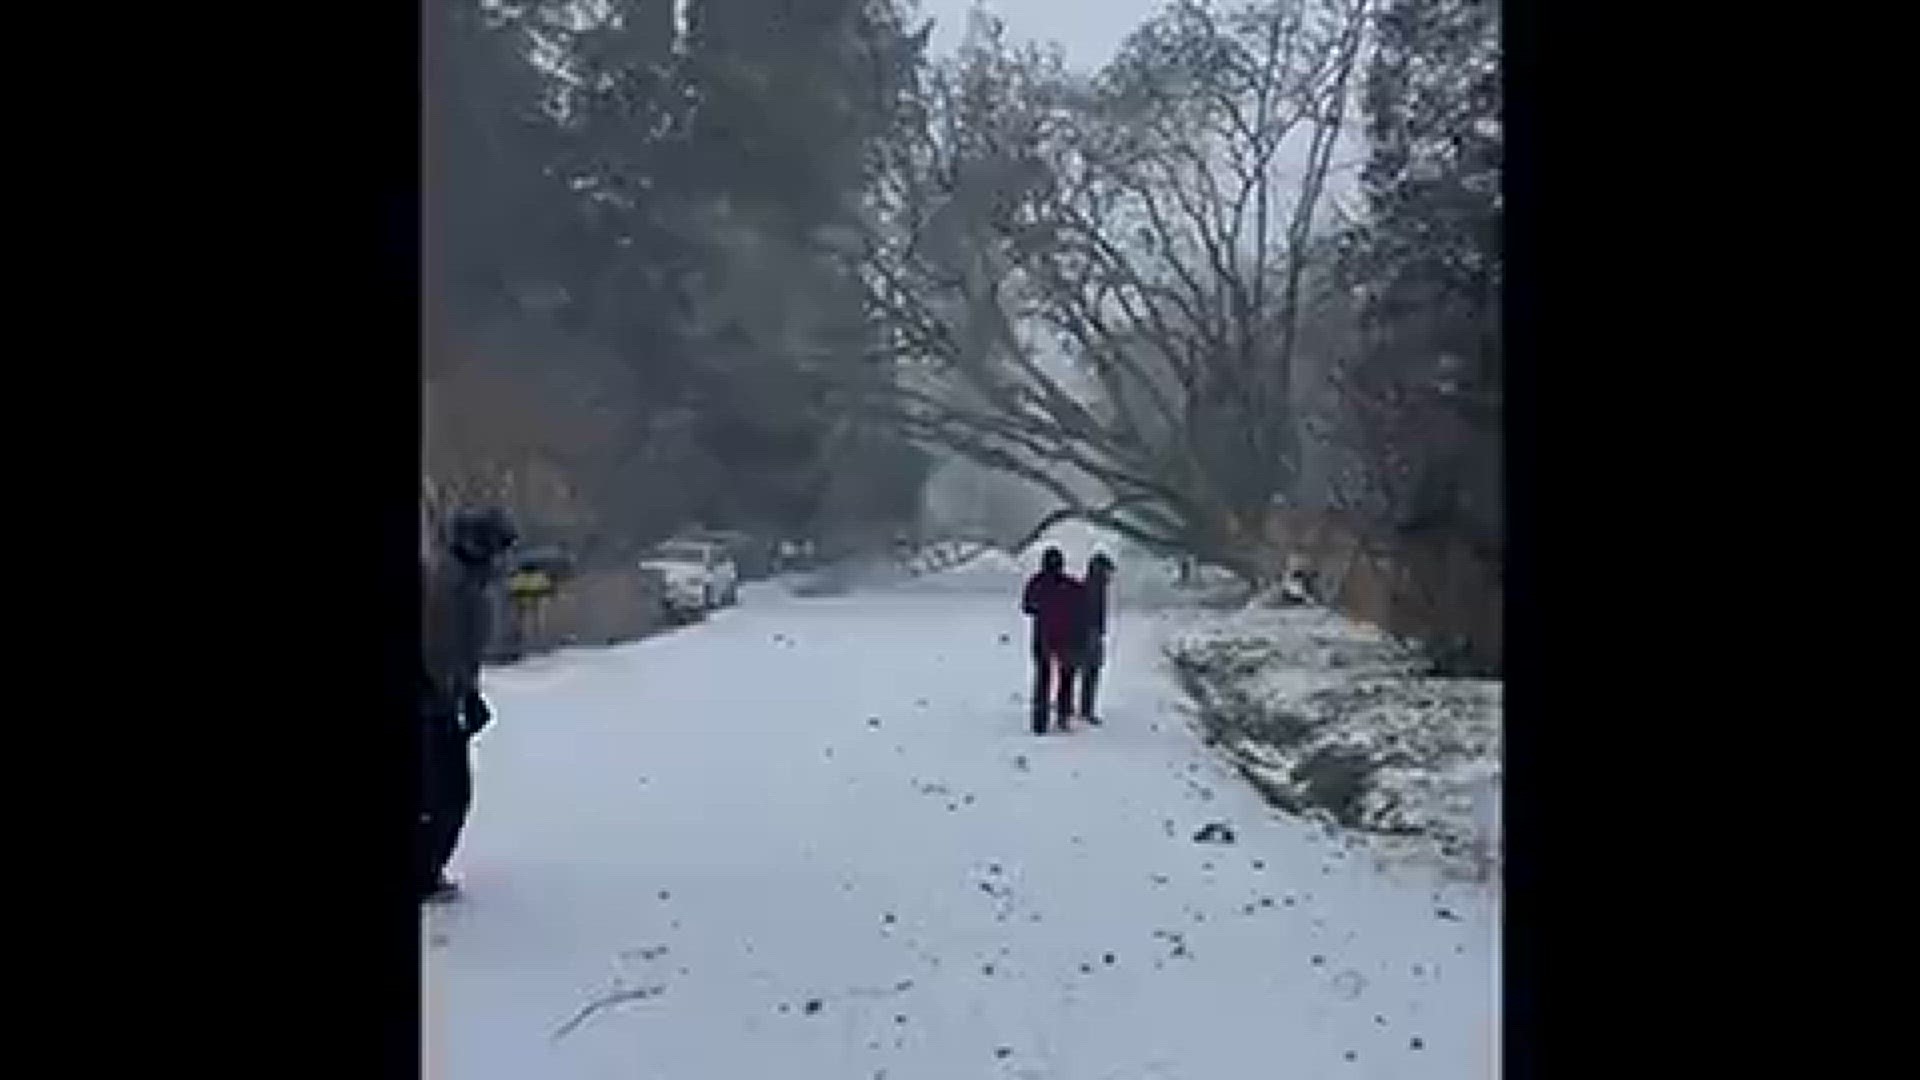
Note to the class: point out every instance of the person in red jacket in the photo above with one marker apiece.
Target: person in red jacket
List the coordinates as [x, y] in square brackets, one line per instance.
[1053, 600]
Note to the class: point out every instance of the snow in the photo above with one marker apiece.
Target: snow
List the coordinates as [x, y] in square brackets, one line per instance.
[1336, 684]
[835, 801]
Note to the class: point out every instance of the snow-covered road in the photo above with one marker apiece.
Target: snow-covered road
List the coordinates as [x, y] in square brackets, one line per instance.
[813, 839]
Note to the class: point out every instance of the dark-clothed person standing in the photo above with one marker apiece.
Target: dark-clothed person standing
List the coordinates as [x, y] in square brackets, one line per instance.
[1093, 633]
[456, 621]
[1052, 599]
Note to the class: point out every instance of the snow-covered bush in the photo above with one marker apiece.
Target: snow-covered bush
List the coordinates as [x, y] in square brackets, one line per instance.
[1332, 719]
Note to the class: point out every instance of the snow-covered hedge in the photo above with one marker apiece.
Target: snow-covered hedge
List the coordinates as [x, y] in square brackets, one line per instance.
[1331, 719]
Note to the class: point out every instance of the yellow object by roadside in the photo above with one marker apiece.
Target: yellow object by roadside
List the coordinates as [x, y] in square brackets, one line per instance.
[530, 583]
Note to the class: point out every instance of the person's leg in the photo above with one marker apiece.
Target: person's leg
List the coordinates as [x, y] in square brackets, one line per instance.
[427, 838]
[1089, 684]
[1042, 669]
[460, 802]
[1063, 707]
[450, 797]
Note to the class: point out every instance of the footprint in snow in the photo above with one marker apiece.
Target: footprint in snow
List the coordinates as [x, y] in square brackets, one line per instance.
[1349, 984]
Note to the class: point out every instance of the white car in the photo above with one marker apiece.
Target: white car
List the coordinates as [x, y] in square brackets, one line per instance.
[698, 575]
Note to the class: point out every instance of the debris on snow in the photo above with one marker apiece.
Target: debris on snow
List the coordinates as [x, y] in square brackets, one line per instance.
[1214, 832]
[1349, 984]
[618, 997]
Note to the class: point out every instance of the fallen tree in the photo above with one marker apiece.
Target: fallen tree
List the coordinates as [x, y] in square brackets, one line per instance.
[1100, 286]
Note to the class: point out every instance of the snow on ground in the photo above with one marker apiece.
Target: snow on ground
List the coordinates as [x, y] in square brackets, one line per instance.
[1332, 716]
[812, 838]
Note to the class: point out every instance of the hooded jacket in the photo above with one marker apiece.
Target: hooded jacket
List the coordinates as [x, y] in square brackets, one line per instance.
[1053, 599]
[1094, 605]
[457, 620]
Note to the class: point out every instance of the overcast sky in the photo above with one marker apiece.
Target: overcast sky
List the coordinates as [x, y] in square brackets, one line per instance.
[1089, 30]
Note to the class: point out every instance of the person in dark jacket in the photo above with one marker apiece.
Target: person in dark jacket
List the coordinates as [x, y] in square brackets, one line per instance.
[1052, 600]
[1093, 633]
[456, 622]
